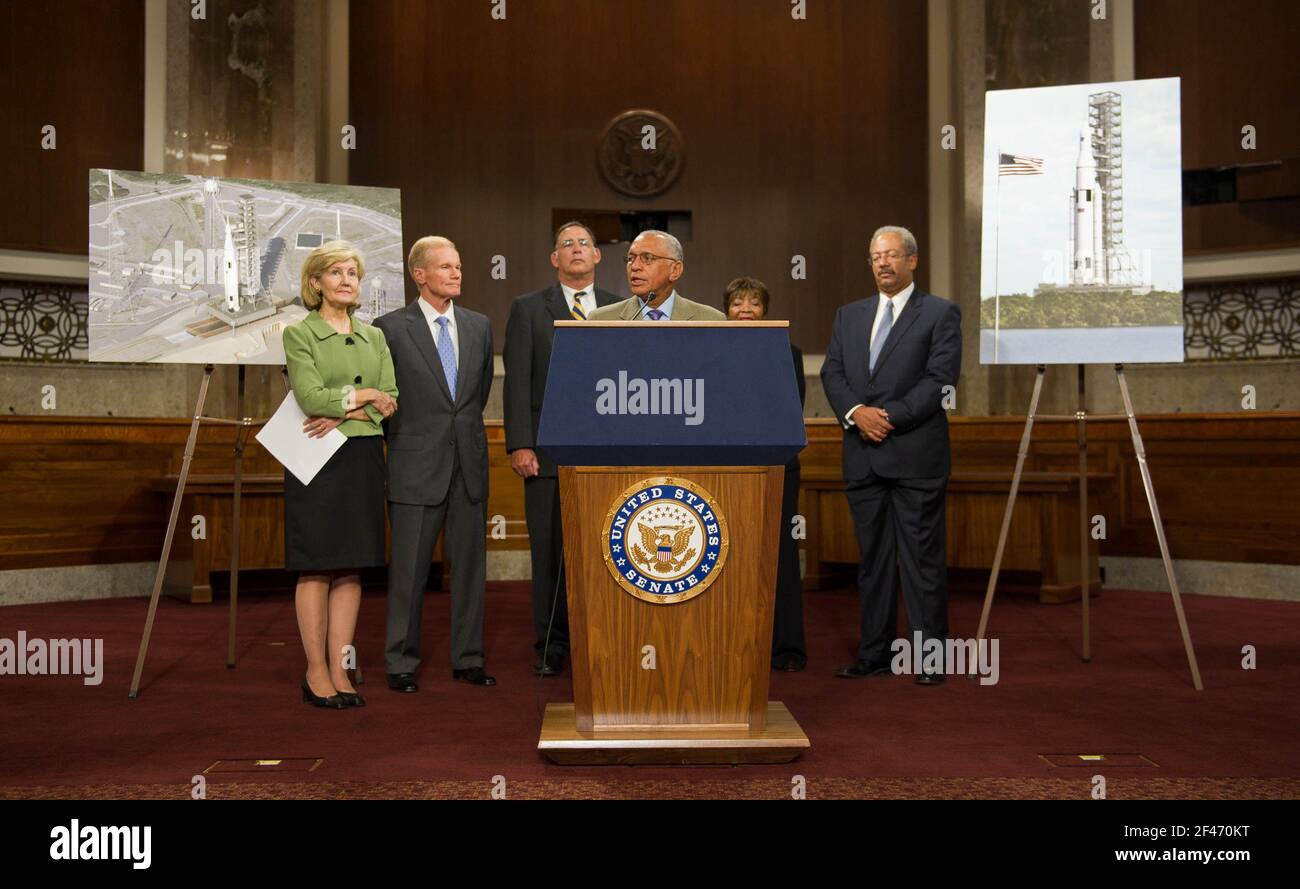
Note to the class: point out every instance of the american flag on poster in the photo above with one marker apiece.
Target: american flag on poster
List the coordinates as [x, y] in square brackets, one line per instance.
[1019, 165]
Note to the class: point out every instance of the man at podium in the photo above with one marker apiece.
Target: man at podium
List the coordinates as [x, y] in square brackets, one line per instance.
[672, 528]
[654, 263]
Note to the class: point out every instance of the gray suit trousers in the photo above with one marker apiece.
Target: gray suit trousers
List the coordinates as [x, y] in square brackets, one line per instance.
[415, 531]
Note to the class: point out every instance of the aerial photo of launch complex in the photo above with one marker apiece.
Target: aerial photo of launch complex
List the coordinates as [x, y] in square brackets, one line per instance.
[197, 270]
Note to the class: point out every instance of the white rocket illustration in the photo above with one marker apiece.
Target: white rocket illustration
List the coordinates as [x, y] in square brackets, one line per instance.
[230, 272]
[1084, 222]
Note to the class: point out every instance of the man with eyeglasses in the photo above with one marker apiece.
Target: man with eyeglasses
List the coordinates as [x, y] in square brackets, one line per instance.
[891, 357]
[654, 263]
[527, 356]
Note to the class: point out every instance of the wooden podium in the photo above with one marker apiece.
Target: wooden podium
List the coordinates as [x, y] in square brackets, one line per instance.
[671, 527]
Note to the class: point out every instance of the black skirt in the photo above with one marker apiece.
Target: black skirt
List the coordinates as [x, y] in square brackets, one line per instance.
[337, 521]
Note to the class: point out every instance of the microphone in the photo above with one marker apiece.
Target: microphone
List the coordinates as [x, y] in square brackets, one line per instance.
[348, 341]
[645, 304]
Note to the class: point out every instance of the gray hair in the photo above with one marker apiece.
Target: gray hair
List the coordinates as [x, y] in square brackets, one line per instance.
[420, 251]
[909, 241]
[673, 244]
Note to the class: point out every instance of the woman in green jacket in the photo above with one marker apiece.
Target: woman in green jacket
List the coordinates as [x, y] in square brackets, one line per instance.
[342, 377]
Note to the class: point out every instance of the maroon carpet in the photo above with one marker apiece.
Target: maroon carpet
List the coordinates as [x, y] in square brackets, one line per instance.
[1135, 698]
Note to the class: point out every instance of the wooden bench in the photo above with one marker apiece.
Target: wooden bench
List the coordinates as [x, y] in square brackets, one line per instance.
[261, 547]
[1043, 541]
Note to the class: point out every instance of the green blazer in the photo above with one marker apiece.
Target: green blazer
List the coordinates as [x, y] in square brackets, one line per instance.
[323, 368]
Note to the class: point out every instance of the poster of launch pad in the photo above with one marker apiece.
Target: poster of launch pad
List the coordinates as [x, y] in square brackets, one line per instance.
[1082, 259]
[198, 270]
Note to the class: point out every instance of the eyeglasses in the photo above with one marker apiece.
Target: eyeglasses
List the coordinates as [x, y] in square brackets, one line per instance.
[646, 258]
[569, 242]
[891, 255]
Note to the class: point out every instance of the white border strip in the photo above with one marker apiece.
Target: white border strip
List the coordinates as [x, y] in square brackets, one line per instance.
[1252, 264]
[1235, 580]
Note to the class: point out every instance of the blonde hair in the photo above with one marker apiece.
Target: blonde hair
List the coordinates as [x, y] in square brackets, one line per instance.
[318, 262]
[420, 250]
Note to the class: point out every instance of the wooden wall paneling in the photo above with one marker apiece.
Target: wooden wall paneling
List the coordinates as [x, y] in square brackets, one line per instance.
[76, 490]
[97, 490]
[84, 490]
[800, 135]
[1238, 69]
[1225, 482]
[1242, 225]
[77, 65]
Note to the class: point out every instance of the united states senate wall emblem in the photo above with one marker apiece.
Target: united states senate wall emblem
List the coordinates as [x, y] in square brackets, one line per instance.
[665, 540]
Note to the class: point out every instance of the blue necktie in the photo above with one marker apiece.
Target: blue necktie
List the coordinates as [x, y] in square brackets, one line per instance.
[654, 314]
[882, 334]
[447, 352]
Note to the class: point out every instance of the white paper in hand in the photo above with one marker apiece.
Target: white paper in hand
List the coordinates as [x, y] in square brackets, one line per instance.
[285, 440]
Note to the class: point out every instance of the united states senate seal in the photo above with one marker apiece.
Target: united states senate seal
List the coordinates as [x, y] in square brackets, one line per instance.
[665, 540]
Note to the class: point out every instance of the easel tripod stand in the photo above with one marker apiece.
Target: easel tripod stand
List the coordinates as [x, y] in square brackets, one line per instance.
[243, 424]
[1081, 417]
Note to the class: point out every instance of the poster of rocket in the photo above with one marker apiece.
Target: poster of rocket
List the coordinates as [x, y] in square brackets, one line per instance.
[203, 270]
[1082, 258]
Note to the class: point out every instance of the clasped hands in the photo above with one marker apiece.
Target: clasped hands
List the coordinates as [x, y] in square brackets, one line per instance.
[315, 427]
[872, 423]
[524, 462]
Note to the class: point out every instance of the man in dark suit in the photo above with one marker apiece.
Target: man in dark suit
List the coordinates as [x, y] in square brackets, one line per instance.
[437, 463]
[890, 358]
[527, 356]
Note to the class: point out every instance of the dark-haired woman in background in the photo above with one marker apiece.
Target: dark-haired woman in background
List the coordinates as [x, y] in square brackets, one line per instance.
[747, 299]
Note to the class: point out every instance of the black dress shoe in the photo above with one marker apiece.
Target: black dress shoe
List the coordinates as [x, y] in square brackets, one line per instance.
[929, 678]
[861, 670]
[551, 665]
[789, 663]
[475, 675]
[352, 699]
[333, 702]
[404, 682]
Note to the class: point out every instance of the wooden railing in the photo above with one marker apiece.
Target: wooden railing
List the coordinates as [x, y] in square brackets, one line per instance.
[90, 490]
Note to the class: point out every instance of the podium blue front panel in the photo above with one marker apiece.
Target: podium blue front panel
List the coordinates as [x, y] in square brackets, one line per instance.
[663, 395]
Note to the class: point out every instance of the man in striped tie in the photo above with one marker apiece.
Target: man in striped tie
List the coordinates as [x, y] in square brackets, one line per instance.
[889, 373]
[527, 356]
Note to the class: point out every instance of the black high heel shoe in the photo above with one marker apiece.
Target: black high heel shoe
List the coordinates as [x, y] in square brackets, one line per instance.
[352, 699]
[333, 702]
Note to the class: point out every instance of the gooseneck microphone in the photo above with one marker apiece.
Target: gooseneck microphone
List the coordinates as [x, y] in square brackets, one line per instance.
[645, 305]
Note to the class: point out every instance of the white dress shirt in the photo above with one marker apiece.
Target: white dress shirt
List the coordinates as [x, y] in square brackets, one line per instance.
[431, 315]
[900, 302]
[588, 297]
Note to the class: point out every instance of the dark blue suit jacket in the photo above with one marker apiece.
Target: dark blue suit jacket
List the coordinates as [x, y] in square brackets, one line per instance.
[921, 356]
